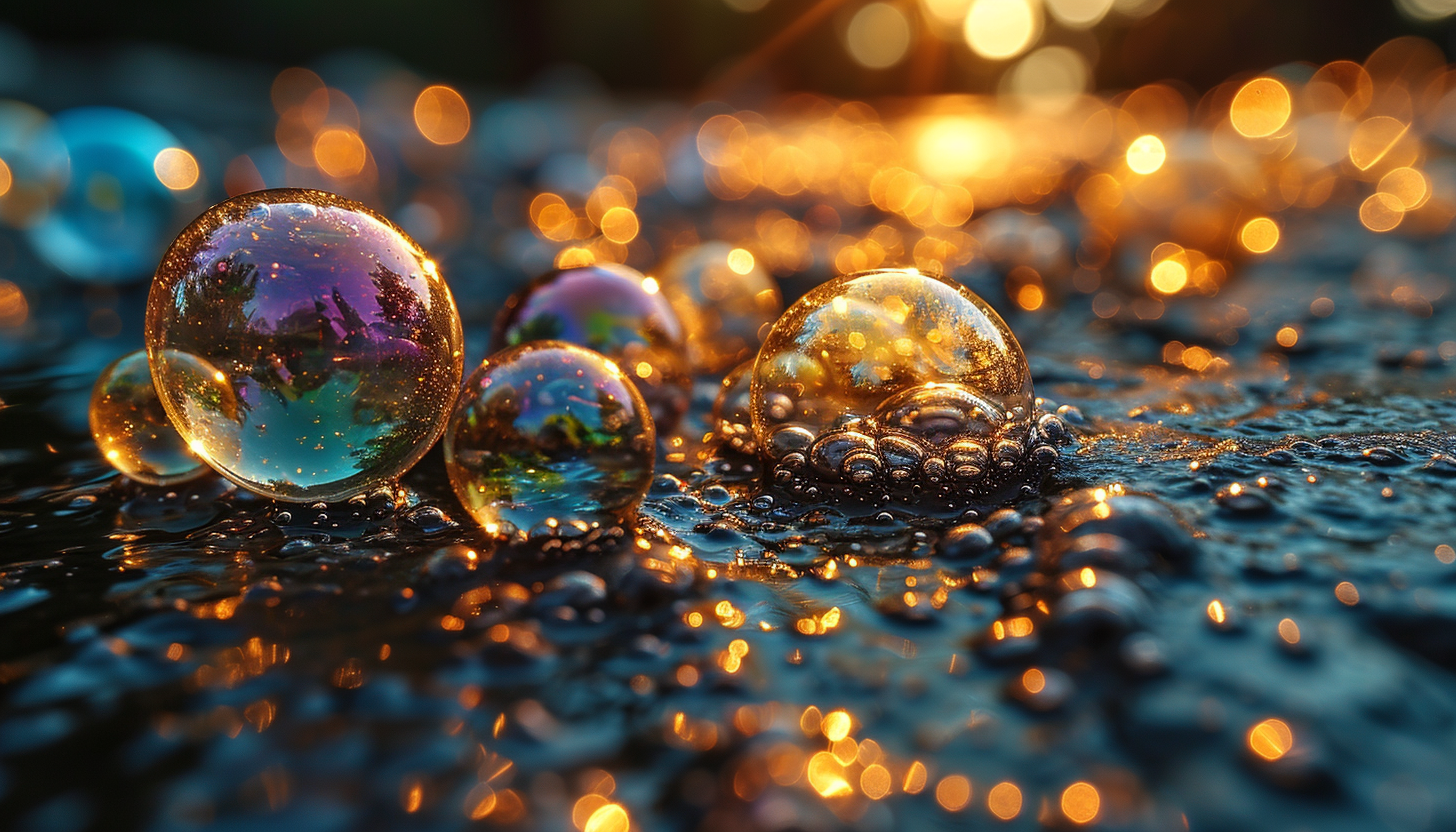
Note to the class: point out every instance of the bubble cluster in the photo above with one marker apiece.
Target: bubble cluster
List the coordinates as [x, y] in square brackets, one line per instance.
[303, 345]
[614, 310]
[131, 427]
[896, 380]
[732, 410]
[725, 299]
[549, 439]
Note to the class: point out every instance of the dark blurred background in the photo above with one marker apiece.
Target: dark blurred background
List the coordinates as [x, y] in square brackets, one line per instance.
[677, 46]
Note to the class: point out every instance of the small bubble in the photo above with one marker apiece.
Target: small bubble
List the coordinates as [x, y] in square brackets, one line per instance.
[132, 429]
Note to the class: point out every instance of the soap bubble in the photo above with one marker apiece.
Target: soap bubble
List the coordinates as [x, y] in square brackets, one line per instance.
[732, 410]
[549, 439]
[897, 379]
[616, 311]
[115, 216]
[131, 427]
[303, 345]
[724, 298]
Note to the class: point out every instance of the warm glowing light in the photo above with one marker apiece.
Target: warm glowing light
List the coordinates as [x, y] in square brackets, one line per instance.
[1216, 613]
[1408, 185]
[620, 224]
[1079, 14]
[175, 168]
[915, 778]
[650, 285]
[6, 179]
[441, 115]
[1081, 803]
[948, 12]
[836, 725]
[339, 152]
[1427, 11]
[1087, 577]
[1374, 139]
[1169, 276]
[878, 36]
[1381, 212]
[826, 775]
[1260, 108]
[1146, 154]
[1001, 29]
[740, 261]
[875, 781]
[953, 793]
[1030, 297]
[1271, 739]
[1004, 800]
[1259, 235]
[1034, 681]
[14, 309]
[1347, 593]
[1049, 80]
[1444, 553]
[955, 148]
[608, 818]
[1289, 631]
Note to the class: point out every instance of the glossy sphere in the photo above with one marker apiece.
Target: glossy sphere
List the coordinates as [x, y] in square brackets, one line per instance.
[732, 410]
[131, 428]
[893, 377]
[302, 344]
[725, 300]
[113, 220]
[613, 310]
[548, 438]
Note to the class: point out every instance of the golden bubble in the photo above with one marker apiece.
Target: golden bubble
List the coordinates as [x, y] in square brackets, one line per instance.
[1287, 336]
[953, 793]
[441, 115]
[1001, 29]
[1004, 800]
[1374, 139]
[6, 179]
[620, 224]
[1169, 276]
[875, 781]
[1259, 235]
[1347, 593]
[339, 152]
[1081, 802]
[878, 36]
[1260, 108]
[1289, 631]
[176, 168]
[1146, 154]
[1271, 739]
[1408, 186]
[1381, 212]
[608, 818]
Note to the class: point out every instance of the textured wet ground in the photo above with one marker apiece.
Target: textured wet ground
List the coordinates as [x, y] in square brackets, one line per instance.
[1234, 607]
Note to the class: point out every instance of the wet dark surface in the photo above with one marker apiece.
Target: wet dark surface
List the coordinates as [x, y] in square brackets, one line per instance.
[203, 657]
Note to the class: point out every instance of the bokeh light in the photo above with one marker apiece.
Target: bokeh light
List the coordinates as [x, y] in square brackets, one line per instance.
[1002, 29]
[1260, 108]
[1146, 154]
[441, 115]
[878, 36]
[176, 168]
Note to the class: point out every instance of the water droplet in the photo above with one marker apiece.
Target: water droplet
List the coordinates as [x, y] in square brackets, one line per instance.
[307, 353]
[131, 428]
[548, 437]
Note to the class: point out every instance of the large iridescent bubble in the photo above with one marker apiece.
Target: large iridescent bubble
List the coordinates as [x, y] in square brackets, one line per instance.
[616, 311]
[302, 344]
[897, 379]
[131, 428]
[549, 439]
[114, 218]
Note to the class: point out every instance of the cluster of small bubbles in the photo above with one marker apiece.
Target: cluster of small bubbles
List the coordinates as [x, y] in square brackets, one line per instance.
[113, 219]
[725, 299]
[549, 440]
[303, 345]
[131, 427]
[614, 310]
[732, 410]
[899, 383]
